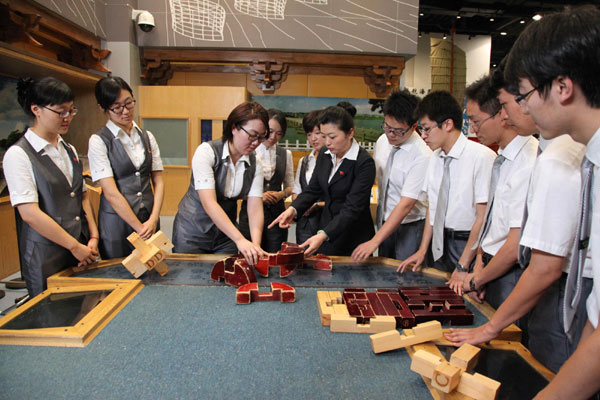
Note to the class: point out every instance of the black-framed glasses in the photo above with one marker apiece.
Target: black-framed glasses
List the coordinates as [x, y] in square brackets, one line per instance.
[254, 137]
[63, 114]
[479, 123]
[520, 97]
[425, 130]
[394, 131]
[118, 109]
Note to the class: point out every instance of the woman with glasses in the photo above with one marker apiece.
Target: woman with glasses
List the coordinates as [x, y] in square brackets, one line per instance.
[125, 161]
[343, 177]
[307, 224]
[225, 171]
[44, 178]
[278, 174]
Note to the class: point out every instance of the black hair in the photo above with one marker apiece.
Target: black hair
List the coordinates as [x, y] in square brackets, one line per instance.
[46, 91]
[401, 105]
[484, 95]
[567, 44]
[310, 120]
[278, 116]
[108, 89]
[243, 113]
[498, 82]
[338, 116]
[346, 105]
[439, 106]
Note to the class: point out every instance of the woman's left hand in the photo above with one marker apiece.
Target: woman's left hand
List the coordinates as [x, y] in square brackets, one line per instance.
[148, 228]
[271, 197]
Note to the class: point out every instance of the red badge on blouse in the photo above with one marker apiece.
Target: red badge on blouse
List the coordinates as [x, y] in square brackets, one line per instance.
[341, 172]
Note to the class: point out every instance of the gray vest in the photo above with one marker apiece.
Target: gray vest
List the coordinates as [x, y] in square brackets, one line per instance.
[274, 184]
[303, 168]
[134, 184]
[190, 207]
[58, 199]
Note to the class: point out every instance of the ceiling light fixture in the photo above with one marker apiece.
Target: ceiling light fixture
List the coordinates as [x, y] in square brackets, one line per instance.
[491, 19]
[458, 16]
[503, 33]
[537, 17]
[421, 14]
[444, 37]
[522, 21]
[420, 35]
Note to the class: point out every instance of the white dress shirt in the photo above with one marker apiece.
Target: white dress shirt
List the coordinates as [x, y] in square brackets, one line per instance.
[19, 172]
[593, 255]
[310, 167]
[204, 177]
[511, 191]
[408, 172]
[553, 199]
[351, 154]
[470, 174]
[134, 147]
[268, 159]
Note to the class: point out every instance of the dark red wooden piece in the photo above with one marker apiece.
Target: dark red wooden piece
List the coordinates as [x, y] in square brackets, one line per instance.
[279, 292]
[320, 262]
[235, 271]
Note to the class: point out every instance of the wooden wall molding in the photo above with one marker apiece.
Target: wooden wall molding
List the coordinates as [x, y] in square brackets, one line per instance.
[269, 69]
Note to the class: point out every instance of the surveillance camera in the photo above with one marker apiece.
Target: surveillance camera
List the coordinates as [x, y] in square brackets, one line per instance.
[144, 19]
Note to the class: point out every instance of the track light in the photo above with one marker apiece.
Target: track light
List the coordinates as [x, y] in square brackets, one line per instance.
[420, 34]
[492, 20]
[503, 33]
[522, 21]
[445, 36]
[537, 17]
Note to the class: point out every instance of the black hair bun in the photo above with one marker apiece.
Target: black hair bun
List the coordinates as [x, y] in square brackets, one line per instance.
[24, 90]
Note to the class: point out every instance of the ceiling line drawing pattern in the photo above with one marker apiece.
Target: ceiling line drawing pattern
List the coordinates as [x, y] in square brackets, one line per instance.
[81, 12]
[363, 26]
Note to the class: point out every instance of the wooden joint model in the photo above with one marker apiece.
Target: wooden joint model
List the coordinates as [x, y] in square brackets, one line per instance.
[448, 377]
[279, 292]
[235, 271]
[290, 257]
[393, 340]
[148, 254]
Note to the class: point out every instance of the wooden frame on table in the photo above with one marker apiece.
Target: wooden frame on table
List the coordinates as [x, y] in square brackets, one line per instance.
[80, 334]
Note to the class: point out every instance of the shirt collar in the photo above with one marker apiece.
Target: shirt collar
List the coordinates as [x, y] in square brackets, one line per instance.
[39, 143]
[592, 151]
[513, 148]
[114, 129]
[225, 154]
[351, 154]
[410, 142]
[459, 146]
[313, 154]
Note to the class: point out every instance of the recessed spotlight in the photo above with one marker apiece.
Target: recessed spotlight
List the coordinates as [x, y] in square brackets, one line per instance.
[494, 65]
[522, 21]
[421, 14]
[458, 17]
[420, 34]
[444, 37]
[491, 19]
[503, 33]
[537, 17]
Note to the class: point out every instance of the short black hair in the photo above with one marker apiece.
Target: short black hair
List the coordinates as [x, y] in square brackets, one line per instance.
[108, 89]
[338, 116]
[278, 116]
[567, 44]
[310, 120]
[439, 106]
[498, 82]
[243, 113]
[484, 95]
[45, 92]
[401, 105]
[346, 105]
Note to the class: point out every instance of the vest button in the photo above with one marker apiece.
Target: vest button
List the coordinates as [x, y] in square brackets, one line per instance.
[72, 194]
[139, 194]
[137, 173]
[77, 219]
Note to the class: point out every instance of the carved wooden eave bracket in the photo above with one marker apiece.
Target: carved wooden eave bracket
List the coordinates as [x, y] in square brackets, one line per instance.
[156, 72]
[268, 75]
[25, 24]
[382, 79]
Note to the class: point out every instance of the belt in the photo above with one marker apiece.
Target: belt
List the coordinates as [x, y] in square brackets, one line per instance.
[460, 235]
[486, 257]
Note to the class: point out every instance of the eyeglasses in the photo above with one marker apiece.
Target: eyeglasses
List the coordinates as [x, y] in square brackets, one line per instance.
[64, 114]
[426, 130]
[255, 137]
[520, 97]
[394, 131]
[118, 109]
[477, 125]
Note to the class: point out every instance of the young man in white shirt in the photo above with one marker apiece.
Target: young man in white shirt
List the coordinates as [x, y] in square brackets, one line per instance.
[458, 179]
[546, 234]
[401, 159]
[555, 63]
[496, 263]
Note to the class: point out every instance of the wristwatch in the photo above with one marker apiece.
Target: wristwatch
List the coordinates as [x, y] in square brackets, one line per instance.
[461, 268]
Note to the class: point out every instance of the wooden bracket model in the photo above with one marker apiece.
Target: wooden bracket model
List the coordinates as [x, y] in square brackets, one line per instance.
[148, 254]
[451, 376]
[392, 340]
[290, 257]
[279, 292]
[234, 270]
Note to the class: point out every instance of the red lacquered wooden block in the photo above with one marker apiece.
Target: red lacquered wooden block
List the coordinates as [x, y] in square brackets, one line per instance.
[235, 271]
[279, 292]
[320, 262]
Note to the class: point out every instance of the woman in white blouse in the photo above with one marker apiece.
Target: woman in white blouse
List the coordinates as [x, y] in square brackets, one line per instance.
[278, 174]
[125, 161]
[307, 224]
[45, 181]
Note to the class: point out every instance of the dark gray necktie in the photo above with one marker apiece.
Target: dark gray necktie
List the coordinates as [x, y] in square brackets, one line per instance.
[383, 190]
[579, 252]
[439, 221]
[493, 185]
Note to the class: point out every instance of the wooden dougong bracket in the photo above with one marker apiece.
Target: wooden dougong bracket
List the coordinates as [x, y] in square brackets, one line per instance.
[235, 271]
[279, 292]
[148, 254]
[290, 257]
[393, 340]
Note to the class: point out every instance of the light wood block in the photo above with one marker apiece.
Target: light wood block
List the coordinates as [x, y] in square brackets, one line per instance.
[465, 357]
[425, 363]
[134, 265]
[425, 332]
[446, 377]
[325, 302]
[478, 386]
[346, 323]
